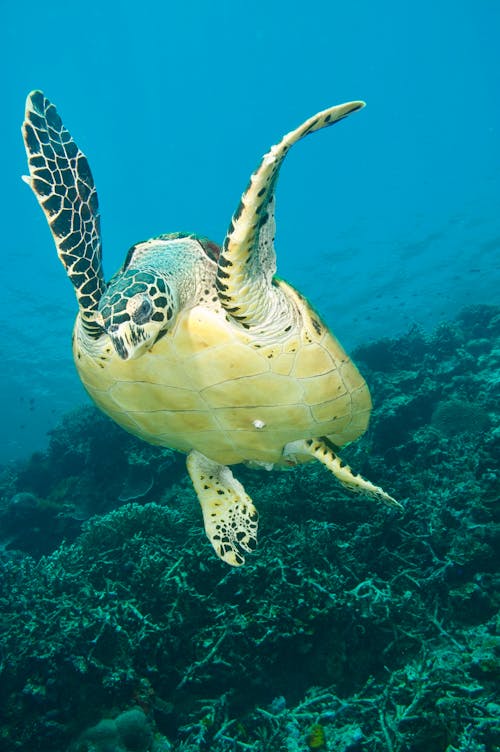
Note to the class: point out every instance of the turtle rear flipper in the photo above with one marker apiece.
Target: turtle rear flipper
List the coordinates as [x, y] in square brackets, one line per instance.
[321, 450]
[228, 512]
[247, 262]
[61, 179]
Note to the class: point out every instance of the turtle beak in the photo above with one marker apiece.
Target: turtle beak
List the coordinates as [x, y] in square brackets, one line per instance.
[120, 347]
[119, 340]
[128, 340]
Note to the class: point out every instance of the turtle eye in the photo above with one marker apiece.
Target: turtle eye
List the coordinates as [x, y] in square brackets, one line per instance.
[140, 309]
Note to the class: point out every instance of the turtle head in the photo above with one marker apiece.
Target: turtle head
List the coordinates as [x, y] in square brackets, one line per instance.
[136, 310]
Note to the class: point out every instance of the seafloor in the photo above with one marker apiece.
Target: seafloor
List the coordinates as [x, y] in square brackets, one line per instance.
[352, 628]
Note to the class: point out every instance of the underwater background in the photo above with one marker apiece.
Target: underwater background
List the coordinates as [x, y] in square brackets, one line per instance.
[352, 628]
[387, 221]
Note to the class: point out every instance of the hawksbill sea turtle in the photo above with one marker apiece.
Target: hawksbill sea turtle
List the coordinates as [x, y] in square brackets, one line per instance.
[201, 348]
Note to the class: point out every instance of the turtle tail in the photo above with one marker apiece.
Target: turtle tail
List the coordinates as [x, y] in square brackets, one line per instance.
[62, 182]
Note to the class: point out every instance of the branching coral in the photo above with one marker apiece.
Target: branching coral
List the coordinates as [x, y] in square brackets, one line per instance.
[381, 630]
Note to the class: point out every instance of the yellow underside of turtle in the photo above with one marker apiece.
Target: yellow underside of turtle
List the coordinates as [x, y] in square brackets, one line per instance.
[207, 385]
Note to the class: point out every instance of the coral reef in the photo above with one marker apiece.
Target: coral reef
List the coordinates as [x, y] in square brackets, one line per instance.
[353, 628]
[130, 731]
[91, 466]
[455, 416]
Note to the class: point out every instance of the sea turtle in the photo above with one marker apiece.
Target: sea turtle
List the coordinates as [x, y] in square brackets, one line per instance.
[199, 347]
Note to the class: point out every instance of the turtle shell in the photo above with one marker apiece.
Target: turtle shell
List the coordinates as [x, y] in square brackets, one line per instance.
[210, 385]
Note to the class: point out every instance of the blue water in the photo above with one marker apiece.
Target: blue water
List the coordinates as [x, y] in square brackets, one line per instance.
[388, 220]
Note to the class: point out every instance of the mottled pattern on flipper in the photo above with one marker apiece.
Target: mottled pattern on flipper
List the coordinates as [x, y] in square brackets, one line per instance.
[228, 512]
[61, 179]
[322, 450]
[248, 261]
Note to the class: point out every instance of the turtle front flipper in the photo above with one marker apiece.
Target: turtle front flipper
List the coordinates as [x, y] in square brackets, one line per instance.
[228, 512]
[247, 262]
[321, 450]
[61, 179]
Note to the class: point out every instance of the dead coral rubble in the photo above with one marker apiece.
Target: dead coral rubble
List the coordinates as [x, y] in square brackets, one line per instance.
[352, 628]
